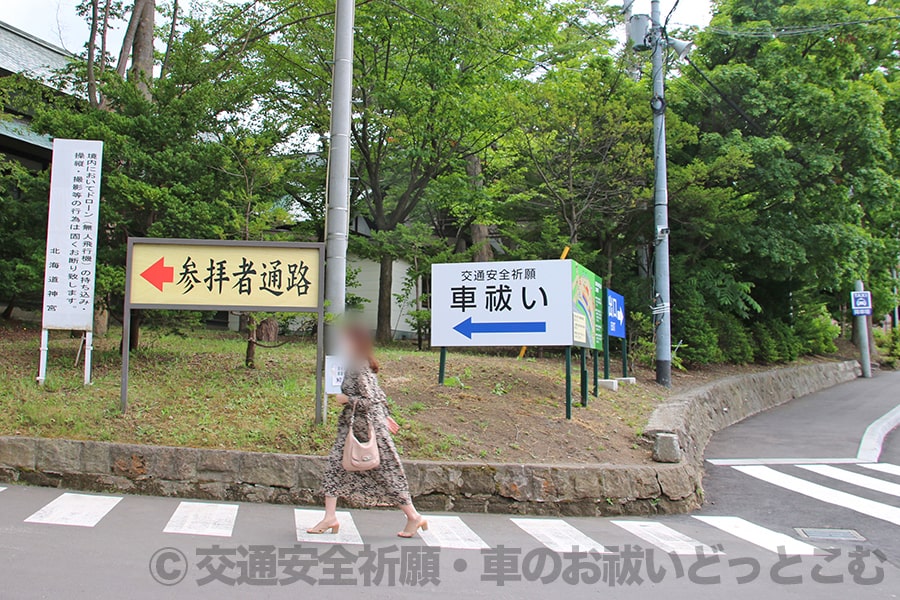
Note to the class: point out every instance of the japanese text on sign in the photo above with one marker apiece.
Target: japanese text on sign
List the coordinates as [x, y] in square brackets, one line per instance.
[72, 235]
[502, 303]
[247, 275]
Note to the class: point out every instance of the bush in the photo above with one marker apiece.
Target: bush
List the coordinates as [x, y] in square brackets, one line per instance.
[789, 345]
[766, 348]
[735, 341]
[816, 331]
[693, 331]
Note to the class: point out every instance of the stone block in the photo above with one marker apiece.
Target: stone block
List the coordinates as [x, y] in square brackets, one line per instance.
[95, 457]
[58, 456]
[666, 448]
[609, 384]
[17, 452]
[279, 470]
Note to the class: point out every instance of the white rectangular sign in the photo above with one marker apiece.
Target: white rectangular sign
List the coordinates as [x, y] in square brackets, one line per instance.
[502, 303]
[70, 267]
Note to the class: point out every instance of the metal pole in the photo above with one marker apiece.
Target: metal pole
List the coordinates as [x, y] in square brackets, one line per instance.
[862, 327]
[624, 341]
[568, 382]
[88, 352]
[596, 355]
[584, 378]
[661, 209]
[42, 364]
[338, 185]
[442, 368]
[896, 314]
[605, 333]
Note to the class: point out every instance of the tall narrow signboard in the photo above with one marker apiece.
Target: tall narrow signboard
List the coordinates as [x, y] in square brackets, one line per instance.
[70, 265]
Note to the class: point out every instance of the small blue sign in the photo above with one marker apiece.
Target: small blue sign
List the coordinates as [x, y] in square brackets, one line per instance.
[861, 303]
[615, 311]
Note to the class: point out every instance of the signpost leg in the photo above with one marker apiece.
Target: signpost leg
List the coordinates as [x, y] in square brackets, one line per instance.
[568, 382]
[605, 333]
[321, 400]
[584, 378]
[88, 352]
[442, 368]
[596, 356]
[42, 364]
[624, 357]
[126, 340]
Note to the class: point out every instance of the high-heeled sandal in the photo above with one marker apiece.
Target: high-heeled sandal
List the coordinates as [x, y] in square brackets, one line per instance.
[406, 533]
[320, 528]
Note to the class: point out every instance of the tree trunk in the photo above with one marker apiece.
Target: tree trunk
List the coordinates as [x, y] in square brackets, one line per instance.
[479, 231]
[128, 40]
[93, 100]
[383, 332]
[134, 338]
[142, 52]
[250, 358]
[8, 311]
[267, 330]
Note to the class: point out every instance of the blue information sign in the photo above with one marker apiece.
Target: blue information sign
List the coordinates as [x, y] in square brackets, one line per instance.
[615, 310]
[861, 303]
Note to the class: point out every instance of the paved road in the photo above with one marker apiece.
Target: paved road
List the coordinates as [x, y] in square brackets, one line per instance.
[56, 544]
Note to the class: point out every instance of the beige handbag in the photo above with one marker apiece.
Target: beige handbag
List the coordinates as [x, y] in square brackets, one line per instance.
[360, 456]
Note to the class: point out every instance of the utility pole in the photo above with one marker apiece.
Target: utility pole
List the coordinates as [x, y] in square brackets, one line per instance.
[661, 306]
[337, 219]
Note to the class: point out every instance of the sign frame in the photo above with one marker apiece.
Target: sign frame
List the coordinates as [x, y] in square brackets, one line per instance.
[862, 309]
[318, 310]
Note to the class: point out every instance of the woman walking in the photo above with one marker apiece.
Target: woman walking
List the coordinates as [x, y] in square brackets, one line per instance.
[365, 402]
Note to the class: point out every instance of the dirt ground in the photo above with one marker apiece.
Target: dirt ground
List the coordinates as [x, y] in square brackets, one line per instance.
[192, 390]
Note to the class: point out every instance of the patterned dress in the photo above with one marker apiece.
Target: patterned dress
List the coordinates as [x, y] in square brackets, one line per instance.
[385, 485]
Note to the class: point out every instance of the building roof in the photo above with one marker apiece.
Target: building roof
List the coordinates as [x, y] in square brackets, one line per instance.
[21, 52]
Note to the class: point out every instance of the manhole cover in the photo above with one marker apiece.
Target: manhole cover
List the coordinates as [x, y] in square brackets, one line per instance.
[832, 535]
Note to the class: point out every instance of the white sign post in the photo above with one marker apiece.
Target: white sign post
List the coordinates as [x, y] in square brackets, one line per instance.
[70, 266]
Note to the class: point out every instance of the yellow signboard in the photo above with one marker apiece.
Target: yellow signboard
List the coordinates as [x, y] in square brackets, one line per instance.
[224, 275]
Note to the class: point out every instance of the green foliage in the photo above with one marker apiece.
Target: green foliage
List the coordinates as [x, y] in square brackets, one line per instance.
[735, 340]
[766, 346]
[692, 327]
[817, 331]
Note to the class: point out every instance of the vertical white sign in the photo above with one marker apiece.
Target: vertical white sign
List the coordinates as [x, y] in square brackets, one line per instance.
[69, 271]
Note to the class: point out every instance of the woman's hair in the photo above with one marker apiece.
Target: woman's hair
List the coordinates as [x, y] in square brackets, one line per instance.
[362, 341]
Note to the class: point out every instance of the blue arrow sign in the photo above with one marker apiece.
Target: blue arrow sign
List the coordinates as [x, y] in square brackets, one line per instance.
[467, 327]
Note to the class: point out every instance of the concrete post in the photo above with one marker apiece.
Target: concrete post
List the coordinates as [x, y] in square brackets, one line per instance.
[661, 310]
[862, 326]
[337, 219]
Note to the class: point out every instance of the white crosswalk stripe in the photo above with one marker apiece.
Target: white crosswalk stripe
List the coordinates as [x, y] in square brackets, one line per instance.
[759, 536]
[871, 483]
[665, 538]
[203, 518]
[451, 532]
[2, 488]
[306, 518]
[79, 510]
[558, 535]
[883, 468]
[878, 510]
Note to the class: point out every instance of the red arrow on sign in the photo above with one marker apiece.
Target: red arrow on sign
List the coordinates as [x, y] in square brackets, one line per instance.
[158, 274]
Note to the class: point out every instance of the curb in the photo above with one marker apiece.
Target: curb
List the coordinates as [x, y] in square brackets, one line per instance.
[560, 489]
[694, 416]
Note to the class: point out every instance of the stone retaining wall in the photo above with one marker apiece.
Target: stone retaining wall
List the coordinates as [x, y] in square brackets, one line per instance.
[583, 490]
[291, 479]
[697, 414]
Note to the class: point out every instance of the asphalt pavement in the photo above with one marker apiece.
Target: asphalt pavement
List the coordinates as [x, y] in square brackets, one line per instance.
[795, 466]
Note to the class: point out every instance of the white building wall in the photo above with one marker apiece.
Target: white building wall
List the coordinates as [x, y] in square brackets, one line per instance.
[368, 288]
